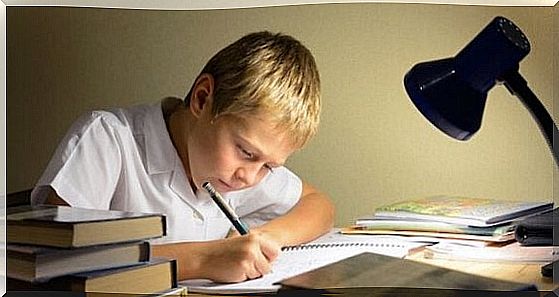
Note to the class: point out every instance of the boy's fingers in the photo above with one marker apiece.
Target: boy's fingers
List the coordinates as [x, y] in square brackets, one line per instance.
[270, 249]
[266, 268]
[253, 272]
[262, 264]
[258, 266]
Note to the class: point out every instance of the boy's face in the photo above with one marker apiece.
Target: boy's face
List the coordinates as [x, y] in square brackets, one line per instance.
[234, 153]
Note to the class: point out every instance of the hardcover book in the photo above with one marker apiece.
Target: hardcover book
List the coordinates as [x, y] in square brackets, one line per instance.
[71, 227]
[38, 264]
[158, 275]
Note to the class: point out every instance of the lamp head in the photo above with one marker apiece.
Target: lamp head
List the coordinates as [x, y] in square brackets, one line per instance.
[451, 93]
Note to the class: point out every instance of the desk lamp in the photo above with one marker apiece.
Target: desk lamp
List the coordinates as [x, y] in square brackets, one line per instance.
[451, 92]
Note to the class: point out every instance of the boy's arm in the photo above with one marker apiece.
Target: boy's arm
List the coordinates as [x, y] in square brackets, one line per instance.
[312, 216]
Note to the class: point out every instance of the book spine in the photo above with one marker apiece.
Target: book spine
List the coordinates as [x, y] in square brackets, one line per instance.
[174, 271]
[145, 252]
[164, 224]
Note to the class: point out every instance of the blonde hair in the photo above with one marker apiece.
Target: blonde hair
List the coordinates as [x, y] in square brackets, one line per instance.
[268, 74]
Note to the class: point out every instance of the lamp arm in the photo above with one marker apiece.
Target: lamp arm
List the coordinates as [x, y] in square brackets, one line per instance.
[518, 86]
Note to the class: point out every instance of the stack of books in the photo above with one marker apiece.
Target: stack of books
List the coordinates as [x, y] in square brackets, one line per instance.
[455, 223]
[60, 248]
[449, 217]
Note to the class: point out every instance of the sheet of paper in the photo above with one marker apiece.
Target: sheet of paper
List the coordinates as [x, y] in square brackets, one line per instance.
[328, 249]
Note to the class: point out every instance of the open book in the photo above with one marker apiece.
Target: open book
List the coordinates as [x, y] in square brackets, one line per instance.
[303, 258]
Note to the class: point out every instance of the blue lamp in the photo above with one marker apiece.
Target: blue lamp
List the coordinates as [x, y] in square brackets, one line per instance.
[451, 92]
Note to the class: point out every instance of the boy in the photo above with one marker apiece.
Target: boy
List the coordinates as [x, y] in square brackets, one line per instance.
[255, 103]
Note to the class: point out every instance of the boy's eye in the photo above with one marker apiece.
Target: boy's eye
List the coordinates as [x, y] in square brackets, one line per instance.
[246, 153]
[250, 156]
[270, 168]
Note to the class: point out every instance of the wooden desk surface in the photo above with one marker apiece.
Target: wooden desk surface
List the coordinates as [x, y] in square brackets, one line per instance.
[517, 272]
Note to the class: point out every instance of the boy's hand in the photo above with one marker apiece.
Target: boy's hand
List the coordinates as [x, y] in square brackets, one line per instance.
[240, 258]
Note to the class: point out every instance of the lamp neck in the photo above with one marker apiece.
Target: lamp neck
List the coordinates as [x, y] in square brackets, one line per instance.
[517, 85]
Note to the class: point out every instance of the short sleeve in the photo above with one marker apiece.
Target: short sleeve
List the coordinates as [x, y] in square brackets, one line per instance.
[85, 167]
[274, 196]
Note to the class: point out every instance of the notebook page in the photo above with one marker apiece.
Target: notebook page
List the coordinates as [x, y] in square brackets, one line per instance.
[296, 260]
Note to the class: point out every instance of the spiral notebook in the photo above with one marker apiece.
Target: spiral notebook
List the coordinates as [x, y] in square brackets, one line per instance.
[295, 260]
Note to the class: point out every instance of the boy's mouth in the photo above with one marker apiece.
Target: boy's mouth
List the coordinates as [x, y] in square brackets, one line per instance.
[225, 187]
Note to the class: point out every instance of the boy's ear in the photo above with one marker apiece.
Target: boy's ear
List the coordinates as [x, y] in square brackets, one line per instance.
[202, 94]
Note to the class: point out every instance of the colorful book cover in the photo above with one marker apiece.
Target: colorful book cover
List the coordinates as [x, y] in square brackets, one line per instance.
[463, 210]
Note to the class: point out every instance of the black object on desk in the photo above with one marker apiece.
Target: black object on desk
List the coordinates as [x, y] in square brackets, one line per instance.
[547, 269]
[538, 229]
[369, 274]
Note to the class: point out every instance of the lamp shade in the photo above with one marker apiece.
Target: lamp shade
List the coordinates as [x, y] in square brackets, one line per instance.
[451, 93]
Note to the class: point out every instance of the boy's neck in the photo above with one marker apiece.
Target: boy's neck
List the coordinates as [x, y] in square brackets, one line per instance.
[168, 106]
[177, 122]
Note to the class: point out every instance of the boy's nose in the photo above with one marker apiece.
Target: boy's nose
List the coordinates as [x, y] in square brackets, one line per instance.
[247, 175]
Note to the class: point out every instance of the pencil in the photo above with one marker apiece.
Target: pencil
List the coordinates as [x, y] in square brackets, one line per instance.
[226, 209]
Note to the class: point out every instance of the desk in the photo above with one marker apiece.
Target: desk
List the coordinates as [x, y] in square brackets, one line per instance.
[517, 272]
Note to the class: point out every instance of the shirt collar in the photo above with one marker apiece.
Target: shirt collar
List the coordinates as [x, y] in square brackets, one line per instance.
[161, 155]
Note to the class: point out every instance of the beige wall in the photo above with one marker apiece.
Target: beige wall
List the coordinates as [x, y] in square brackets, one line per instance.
[373, 146]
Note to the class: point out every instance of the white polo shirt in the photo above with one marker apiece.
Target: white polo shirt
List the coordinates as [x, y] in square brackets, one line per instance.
[124, 159]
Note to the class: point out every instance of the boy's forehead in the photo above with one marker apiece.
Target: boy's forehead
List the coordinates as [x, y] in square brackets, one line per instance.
[257, 125]
[264, 134]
